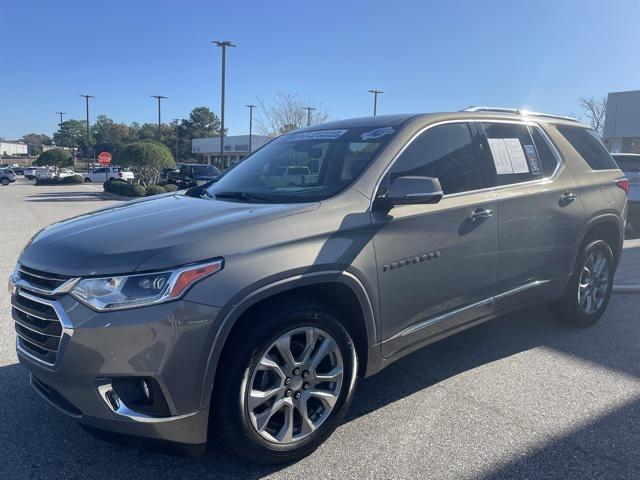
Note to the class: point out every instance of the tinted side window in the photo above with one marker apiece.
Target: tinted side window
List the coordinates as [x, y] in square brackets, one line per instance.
[548, 159]
[446, 152]
[589, 146]
[513, 152]
[628, 163]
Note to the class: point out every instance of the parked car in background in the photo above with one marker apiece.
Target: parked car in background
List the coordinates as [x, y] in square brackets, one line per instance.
[164, 174]
[246, 310]
[7, 176]
[193, 174]
[103, 174]
[629, 163]
[45, 172]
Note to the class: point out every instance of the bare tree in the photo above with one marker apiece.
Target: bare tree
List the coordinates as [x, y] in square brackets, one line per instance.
[286, 113]
[595, 110]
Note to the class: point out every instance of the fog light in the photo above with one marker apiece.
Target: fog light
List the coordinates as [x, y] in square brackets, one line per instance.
[112, 398]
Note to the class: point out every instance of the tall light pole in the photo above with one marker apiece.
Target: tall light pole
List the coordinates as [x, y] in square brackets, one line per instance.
[61, 114]
[222, 44]
[177, 139]
[86, 98]
[375, 100]
[159, 97]
[309, 110]
[250, 107]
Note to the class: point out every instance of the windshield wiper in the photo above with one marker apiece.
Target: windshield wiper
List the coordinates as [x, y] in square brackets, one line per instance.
[246, 196]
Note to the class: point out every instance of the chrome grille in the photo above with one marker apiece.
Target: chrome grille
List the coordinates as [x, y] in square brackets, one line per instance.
[41, 280]
[38, 326]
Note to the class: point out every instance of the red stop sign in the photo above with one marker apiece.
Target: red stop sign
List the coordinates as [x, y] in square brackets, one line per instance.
[104, 158]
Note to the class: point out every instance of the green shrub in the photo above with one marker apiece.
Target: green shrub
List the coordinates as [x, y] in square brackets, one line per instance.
[134, 190]
[154, 190]
[117, 187]
[55, 157]
[170, 187]
[74, 179]
[146, 158]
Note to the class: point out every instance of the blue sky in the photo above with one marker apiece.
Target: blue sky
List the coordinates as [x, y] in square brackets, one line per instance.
[425, 55]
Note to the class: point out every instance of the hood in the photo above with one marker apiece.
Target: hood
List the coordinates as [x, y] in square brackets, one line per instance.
[156, 233]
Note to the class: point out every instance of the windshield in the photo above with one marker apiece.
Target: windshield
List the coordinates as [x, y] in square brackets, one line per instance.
[303, 166]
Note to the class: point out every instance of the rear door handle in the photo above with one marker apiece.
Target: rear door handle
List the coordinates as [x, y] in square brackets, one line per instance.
[480, 213]
[568, 196]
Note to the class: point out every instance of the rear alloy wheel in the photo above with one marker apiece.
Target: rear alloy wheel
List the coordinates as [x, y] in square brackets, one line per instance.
[589, 289]
[285, 387]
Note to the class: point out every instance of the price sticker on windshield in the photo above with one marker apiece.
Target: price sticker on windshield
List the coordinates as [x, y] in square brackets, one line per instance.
[316, 135]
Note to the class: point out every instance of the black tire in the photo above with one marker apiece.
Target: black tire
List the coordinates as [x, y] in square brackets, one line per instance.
[568, 309]
[87, 180]
[5, 181]
[230, 418]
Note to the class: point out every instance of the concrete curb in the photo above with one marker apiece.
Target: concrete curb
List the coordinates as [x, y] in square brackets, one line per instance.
[626, 289]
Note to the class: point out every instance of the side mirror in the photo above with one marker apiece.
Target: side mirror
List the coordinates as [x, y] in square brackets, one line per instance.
[412, 191]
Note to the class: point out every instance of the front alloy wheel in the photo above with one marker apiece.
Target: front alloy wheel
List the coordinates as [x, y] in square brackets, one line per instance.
[295, 385]
[285, 382]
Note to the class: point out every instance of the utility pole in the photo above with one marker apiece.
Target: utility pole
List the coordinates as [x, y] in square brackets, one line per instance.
[222, 44]
[375, 100]
[309, 110]
[159, 97]
[86, 98]
[250, 107]
[61, 114]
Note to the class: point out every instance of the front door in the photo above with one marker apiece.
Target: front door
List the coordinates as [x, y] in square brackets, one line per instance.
[437, 263]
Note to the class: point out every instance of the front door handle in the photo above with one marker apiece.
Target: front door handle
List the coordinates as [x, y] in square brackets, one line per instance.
[480, 214]
[568, 196]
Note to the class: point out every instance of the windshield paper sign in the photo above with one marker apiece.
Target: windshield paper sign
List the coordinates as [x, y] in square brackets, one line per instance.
[317, 135]
[377, 133]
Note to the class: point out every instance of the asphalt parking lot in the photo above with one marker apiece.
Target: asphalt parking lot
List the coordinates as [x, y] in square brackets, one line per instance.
[518, 397]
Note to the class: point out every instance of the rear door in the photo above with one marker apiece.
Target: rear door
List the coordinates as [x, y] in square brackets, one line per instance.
[437, 263]
[540, 215]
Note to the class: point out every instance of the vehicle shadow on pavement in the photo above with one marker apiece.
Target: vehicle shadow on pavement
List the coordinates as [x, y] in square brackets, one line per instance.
[82, 196]
[36, 438]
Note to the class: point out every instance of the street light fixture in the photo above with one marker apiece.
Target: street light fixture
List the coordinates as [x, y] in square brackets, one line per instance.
[309, 110]
[250, 107]
[86, 98]
[375, 100]
[159, 97]
[222, 44]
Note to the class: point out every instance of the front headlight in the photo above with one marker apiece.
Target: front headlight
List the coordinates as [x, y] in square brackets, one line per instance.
[116, 293]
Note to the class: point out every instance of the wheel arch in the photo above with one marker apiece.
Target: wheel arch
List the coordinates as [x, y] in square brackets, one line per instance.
[340, 290]
[608, 227]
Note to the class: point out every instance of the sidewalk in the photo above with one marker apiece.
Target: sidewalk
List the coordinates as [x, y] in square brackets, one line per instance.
[627, 277]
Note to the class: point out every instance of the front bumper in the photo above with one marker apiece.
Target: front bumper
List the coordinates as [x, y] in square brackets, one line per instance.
[168, 343]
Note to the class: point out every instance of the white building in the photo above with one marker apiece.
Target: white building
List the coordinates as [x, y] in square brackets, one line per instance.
[236, 148]
[13, 148]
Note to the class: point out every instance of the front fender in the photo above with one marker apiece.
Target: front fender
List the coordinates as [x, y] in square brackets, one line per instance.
[238, 305]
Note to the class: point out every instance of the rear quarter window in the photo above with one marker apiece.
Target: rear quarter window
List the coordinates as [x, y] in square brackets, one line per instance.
[589, 146]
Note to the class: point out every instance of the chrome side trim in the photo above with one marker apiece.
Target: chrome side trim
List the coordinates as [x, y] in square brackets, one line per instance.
[441, 318]
[521, 288]
[106, 389]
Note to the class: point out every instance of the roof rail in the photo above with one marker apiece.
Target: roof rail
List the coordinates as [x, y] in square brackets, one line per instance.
[518, 111]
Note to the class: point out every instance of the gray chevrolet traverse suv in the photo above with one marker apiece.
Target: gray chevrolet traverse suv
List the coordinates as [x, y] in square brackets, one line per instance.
[248, 308]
